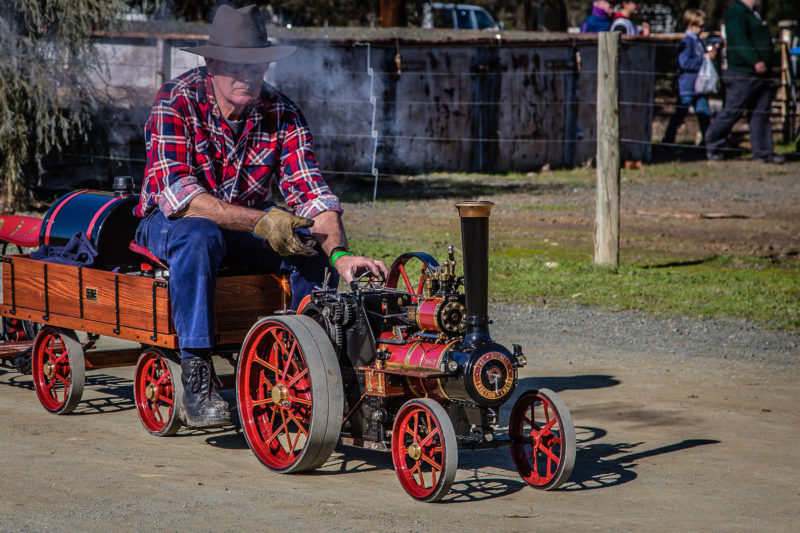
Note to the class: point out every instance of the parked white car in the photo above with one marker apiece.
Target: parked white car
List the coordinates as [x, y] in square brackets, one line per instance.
[457, 16]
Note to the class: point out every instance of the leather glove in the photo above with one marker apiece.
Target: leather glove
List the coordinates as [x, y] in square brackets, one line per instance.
[277, 227]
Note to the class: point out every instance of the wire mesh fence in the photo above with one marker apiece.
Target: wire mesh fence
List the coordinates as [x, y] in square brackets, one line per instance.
[389, 109]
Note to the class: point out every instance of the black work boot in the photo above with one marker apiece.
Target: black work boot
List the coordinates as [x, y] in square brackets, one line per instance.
[203, 407]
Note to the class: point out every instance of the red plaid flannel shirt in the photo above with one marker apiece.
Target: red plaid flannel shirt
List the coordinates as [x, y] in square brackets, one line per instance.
[191, 150]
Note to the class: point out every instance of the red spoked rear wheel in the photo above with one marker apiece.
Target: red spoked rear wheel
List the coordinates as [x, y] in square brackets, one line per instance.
[543, 439]
[58, 369]
[158, 391]
[289, 393]
[424, 450]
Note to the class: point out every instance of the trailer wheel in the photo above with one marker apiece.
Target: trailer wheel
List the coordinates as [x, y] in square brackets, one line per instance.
[158, 391]
[58, 369]
[543, 439]
[14, 329]
[289, 393]
[424, 450]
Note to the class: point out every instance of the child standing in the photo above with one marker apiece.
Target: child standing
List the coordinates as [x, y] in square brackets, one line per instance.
[690, 58]
[623, 20]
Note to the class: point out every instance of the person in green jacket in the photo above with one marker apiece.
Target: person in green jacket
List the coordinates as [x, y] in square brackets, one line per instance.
[747, 84]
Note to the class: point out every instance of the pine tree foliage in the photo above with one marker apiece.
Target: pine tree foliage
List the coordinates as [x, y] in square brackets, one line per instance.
[45, 90]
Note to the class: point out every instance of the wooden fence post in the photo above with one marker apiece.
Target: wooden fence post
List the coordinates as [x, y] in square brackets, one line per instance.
[606, 228]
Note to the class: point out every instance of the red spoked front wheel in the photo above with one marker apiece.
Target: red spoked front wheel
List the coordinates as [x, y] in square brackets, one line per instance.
[290, 394]
[424, 450]
[158, 391]
[58, 369]
[543, 439]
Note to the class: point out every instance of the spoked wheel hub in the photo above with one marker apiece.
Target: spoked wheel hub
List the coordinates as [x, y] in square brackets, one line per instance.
[414, 451]
[151, 391]
[280, 395]
[49, 370]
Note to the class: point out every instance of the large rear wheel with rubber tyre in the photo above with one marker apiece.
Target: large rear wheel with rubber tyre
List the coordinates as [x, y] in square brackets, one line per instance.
[424, 450]
[543, 439]
[158, 391]
[289, 393]
[58, 369]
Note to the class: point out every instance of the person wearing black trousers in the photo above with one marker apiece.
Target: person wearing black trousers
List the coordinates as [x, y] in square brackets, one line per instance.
[747, 84]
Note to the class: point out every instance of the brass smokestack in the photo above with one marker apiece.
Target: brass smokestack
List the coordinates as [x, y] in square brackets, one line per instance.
[475, 243]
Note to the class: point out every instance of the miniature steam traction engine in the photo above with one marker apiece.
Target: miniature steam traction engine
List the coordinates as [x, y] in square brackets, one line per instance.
[406, 365]
[419, 376]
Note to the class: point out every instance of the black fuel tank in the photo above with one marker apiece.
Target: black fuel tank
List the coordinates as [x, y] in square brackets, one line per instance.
[106, 218]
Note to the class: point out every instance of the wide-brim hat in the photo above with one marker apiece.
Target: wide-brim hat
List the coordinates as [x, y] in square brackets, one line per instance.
[240, 36]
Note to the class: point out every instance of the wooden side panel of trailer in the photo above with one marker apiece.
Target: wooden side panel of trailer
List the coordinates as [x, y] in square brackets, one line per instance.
[241, 300]
[126, 306]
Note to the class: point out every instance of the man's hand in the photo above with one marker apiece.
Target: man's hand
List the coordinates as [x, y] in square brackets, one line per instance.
[760, 67]
[349, 266]
[277, 227]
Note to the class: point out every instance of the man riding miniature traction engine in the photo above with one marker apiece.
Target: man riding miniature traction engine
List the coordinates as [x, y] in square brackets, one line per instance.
[217, 138]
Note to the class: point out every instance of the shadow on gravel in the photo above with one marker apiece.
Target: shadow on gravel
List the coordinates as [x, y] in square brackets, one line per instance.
[682, 263]
[15, 379]
[596, 466]
[118, 395]
[558, 384]
[426, 187]
[482, 485]
[119, 392]
[353, 459]
[231, 440]
[475, 490]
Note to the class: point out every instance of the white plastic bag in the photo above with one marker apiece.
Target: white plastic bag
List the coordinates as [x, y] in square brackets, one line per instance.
[707, 78]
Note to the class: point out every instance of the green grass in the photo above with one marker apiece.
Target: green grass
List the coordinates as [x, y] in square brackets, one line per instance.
[652, 281]
[417, 214]
[722, 286]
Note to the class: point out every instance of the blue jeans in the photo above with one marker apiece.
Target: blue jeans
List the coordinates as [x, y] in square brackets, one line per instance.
[196, 248]
[701, 110]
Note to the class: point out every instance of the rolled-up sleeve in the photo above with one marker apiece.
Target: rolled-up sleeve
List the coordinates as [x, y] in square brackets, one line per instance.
[301, 182]
[169, 181]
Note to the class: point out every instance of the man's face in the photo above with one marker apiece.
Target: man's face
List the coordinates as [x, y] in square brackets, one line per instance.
[238, 84]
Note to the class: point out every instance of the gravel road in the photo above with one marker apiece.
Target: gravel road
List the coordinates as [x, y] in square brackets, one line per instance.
[682, 425]
[629, 334]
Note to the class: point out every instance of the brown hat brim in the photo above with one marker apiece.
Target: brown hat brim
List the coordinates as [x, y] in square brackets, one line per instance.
[262, 54]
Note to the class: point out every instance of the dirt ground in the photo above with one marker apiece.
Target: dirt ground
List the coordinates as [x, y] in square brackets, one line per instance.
[665, 442]
[681, 425]
[697, 209]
